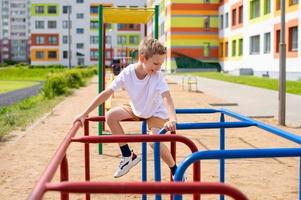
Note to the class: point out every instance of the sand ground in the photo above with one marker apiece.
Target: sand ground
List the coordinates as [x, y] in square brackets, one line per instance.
[25, 154]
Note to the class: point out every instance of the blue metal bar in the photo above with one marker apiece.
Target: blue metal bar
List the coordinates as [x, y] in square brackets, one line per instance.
[207, 125]
[144, 157]
[196, 111]
[232, 154]
[222, 147]
[266, 127]
[300, 179]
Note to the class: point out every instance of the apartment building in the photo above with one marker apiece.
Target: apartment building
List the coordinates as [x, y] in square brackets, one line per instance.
[66, 32]
[249, 35]
[14, 28]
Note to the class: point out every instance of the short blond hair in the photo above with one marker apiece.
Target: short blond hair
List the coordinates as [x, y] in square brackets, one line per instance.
[150, 47]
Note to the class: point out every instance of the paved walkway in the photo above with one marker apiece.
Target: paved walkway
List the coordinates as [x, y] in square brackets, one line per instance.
[251, 101]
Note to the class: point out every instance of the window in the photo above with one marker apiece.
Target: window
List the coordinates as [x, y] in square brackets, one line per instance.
[80, 45]
[206, 49]
[121, 26]
[40, 55]
[93, 55]
[51, 24]
[134, 39]
[79, 1]
[65, 39]
[293, 2]
[79, 15]
[221, 49]
[108, 40]
[233, 48]
[80, 31]
[94, 39]
[226, 49]
[267, 7]
[39, 24]
[277, 40]
[240, 47]
[207, 22]
[240, 14]
[267, 43]
[66, 24]
[93, 24]
[65, 54]
[52, 40]
[39, 9]
[108, 54]
[40, 40]
[293, 38]
[93, 10]
[255, 44]
[51, 9]
[121, 39]
[233, 21]
[52, 54]
[255, 9]
[227, 20]
[221, 25]
[80, 61]
[65, 9]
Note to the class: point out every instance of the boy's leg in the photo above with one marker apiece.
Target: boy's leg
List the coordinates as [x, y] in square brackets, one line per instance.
[154, 124]
[129, 159]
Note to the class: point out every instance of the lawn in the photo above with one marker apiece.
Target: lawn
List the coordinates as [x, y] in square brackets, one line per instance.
[6, 86]
[292, 87]
[17, 74]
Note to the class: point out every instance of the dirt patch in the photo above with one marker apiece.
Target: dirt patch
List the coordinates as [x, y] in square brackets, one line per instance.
[24, 155]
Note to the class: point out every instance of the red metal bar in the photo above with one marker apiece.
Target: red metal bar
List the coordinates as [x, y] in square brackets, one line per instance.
[64, 176]
[144, 138]
[87, 156]
[174, 155]
[151, 187]
[49, 172]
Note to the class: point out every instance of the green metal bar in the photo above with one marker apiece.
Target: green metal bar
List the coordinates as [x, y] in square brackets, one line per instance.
[156, 28]
[100, 69]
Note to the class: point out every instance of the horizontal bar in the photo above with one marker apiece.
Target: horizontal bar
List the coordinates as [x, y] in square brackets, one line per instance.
[136, 138]
[271, 129]
[151, 187]
[209, 125]
[196, 111]
[234, 154]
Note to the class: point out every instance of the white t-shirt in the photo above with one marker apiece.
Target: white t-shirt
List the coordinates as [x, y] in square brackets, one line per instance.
[145, 94]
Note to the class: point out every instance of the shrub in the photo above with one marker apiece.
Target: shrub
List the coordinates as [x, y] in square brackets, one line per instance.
[59, 83]
[75, 79]
[55, 85]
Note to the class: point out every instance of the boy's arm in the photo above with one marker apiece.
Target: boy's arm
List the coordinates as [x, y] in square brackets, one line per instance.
[171, 124]
[99, 99]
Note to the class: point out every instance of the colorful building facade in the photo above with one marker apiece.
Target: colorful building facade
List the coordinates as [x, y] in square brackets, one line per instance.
[236, 34]
[71, 38]
[189, 29]
[249, 33]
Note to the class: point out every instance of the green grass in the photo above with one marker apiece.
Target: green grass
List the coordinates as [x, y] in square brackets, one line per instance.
[12, 73]
[25, 112]
[21, 114]
[6, 86]
[292, 87]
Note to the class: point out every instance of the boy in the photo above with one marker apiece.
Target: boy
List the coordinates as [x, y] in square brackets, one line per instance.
[149, 94]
